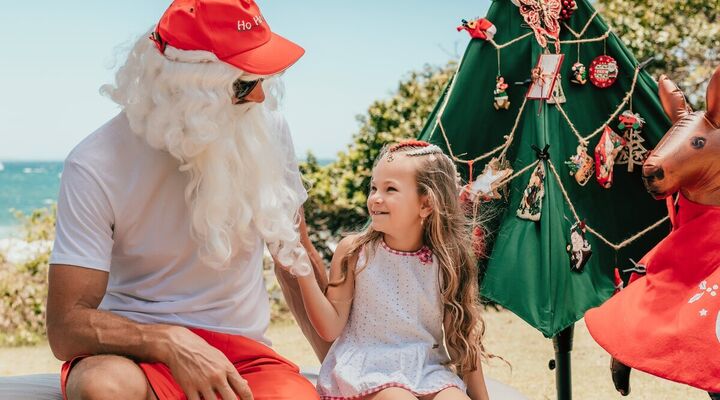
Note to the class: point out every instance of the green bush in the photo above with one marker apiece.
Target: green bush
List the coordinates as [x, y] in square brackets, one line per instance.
[23, 287]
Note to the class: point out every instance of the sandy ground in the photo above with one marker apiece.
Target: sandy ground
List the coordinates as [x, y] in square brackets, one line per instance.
[508, 336]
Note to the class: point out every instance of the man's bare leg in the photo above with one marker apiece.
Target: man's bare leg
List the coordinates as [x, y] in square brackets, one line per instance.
[108, 377]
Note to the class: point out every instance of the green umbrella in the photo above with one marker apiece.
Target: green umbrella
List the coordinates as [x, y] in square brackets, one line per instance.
[528, 270]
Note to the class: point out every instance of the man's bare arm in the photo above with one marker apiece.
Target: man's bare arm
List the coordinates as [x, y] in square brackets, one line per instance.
[76, 327]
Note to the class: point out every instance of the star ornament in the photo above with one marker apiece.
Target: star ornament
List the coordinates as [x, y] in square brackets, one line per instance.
[486, 185]
[703, 313]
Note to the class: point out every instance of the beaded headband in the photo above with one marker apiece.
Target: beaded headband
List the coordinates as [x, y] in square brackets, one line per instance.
[425, 148]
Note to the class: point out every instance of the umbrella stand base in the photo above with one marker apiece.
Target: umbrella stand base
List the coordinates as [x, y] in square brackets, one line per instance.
[563, 343]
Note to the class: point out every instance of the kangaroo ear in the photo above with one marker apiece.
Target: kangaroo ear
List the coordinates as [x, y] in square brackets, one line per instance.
[672, 99]
[713, 99]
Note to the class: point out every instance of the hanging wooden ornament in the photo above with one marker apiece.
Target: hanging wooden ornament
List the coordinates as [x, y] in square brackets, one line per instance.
[558, 95]
[501, 99]
[605, 152]
[544, 75]
[531, 202]
[581, 165]
[603, 71]
[579, 73]
[579, 248]
[633, 153]
[487, 184]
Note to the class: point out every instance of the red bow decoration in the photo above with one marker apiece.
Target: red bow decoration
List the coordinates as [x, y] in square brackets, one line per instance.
[479, 29]
[425, 255]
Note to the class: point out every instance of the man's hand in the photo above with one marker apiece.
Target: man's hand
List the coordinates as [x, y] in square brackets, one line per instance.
[201, 370]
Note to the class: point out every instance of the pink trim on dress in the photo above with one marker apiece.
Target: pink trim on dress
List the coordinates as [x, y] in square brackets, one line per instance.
[424, 253]
[386, 386]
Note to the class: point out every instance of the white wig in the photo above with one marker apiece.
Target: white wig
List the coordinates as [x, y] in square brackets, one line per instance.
[238, 189]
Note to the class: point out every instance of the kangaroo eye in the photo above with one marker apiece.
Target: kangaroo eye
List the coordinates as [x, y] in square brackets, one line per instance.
[697, 142]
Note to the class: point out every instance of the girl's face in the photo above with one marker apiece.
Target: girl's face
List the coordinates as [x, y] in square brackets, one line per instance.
[393, 203]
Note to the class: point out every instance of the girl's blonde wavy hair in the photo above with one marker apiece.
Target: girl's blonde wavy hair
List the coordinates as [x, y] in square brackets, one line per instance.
[448, 232]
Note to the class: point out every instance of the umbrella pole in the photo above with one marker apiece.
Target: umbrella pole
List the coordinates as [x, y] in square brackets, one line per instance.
[563, 343]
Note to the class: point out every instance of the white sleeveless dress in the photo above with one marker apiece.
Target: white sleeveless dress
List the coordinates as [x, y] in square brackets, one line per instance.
[394, 336]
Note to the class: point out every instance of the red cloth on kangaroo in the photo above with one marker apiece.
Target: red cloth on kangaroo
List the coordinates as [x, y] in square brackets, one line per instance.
[667, 323]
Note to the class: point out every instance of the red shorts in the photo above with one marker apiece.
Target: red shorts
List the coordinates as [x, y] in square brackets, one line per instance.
[270, 376]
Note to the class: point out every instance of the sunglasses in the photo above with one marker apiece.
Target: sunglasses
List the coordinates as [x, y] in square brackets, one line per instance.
[241, 89]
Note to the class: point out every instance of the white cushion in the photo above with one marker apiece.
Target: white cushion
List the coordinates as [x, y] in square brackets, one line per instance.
[47, 387]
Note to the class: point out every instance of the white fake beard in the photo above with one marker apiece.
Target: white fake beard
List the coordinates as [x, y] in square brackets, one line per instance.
[237, 190]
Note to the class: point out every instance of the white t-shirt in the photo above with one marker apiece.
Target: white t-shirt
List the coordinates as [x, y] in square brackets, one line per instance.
[121, 209]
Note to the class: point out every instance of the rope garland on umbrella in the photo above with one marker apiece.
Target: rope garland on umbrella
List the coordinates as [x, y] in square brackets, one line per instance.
[509, 138]
[587, 25]
[571, 41]
[566, 196]
[504, 147]
[628, 96]
[511, 135]
[615, 246]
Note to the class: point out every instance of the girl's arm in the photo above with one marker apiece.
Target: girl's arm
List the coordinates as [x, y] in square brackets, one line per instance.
[293, 297]
[329, 313]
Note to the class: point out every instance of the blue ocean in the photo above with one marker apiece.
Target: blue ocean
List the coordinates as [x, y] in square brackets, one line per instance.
[29, 185]
[26, 186]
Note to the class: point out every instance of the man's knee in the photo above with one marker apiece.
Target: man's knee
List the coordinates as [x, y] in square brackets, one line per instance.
[107, 377]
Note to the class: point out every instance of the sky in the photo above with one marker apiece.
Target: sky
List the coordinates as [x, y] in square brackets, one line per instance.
[57, 54]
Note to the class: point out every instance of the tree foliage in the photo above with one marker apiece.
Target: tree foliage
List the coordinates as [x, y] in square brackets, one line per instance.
[23, 287]
[338, 191]
[682, 35]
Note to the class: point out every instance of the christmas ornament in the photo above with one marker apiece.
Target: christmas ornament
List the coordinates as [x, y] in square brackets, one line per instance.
[581, 165]
[479, 28]
[636, 272]
[605, 152]
[634, 153]
[603, 71]
[568, 7]
[486, 185]
[579, 248]
[544, 75]
[542, 16]
[579, 73]
[630, 120]
[501, 99]
[531, 202]
[478, 242]
[558, 96]
[619, 284]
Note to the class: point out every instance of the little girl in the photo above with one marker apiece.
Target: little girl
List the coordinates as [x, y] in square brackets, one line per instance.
[402, 303]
